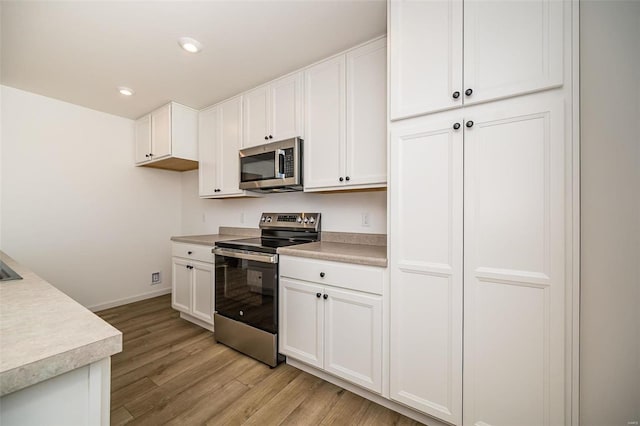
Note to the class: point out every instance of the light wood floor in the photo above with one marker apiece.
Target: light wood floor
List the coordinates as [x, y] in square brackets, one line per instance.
[172, 372]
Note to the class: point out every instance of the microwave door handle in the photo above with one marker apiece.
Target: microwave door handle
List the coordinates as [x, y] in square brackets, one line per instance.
[279, 164]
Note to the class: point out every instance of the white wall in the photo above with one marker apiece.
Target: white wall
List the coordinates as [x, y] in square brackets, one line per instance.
[341, 212]
[75, 209]
[610, 213]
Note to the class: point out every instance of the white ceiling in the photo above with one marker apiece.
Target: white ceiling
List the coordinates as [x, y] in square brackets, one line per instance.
[81, 51]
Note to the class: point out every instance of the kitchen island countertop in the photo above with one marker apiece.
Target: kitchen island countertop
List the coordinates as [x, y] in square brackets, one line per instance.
[45, 333]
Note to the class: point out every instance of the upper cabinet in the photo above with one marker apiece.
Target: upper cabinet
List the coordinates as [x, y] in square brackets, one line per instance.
[219, 139]
[345, 121]
[453, 52]
[167, 138]
[273, 112]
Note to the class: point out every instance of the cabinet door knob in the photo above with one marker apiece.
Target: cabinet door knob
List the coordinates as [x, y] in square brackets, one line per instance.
[270, 136]
[325, 296]
[468, 92]
[150, 154]
[341, 179]
[347, 178]
[456, 95]
[469, 123]
[189, 252]
[321, 274]
[146, 155]
[456, 126]
[266, 138]
[318, 295]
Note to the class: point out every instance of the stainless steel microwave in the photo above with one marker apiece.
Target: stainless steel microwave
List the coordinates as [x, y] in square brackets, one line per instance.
[273, 167]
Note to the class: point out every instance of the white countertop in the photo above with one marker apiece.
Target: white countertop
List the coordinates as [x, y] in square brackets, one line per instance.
[45, 333]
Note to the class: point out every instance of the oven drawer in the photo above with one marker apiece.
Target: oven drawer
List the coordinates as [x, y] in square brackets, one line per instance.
[355, 277]
[193, 251]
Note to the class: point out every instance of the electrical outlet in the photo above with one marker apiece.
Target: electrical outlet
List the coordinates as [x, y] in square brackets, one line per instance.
[155, 278]
[366, 220]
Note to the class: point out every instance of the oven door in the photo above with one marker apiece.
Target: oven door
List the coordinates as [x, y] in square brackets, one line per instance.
[247, 287]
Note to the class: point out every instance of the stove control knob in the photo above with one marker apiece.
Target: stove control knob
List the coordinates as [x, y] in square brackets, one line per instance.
[306, 220]
[312, 220]
[299, 219]
[263, 218]
[268, 219]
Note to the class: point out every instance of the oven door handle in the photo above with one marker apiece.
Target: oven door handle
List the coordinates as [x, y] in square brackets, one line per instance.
[242, 254]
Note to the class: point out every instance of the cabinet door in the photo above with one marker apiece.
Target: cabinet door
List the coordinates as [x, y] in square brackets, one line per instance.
[203, 292]
[353, 337]
[181, 285]
[511, 47]
[301, 315]
[514, 291]
[426, 265]
[228, 145]
[143, 139]
[208, 124]
[366, 160]
[426, 56]
[286, 107]
[255, 116]
[161, 132]
[325, 103]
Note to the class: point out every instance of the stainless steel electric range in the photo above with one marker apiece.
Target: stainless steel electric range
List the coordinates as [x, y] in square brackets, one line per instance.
[246, 287]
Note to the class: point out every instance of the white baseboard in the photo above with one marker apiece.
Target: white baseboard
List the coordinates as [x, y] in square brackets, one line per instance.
[131, 299]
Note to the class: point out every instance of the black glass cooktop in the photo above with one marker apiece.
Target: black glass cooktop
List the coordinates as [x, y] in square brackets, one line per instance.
[263, 245]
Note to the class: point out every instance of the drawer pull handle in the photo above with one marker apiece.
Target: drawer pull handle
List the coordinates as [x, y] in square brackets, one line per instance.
[321, 274]
[189, 252]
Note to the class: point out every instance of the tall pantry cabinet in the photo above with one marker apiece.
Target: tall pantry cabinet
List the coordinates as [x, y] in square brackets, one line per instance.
[481, 210]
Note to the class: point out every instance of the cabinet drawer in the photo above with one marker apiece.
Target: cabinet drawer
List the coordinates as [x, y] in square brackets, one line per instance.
[355, 277]
[193, 251]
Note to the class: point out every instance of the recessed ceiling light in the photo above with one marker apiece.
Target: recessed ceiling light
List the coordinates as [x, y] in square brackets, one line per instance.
[189, 44]
[125, 91]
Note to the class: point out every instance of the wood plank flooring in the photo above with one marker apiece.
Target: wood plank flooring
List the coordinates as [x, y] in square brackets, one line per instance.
[172, 372]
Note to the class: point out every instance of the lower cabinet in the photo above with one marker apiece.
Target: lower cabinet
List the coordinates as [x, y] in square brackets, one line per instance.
[77, 397]
[193, 285]
[338, 330]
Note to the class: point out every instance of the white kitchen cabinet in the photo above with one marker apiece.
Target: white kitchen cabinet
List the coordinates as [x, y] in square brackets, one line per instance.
[301, 322]
[167, 138]
[219, 140]
[81, 396]
[426, 265]
[273, 112]
[345, 112]
[332, 328]
[425, 57]
[193, 279]
[366, 142]
[508, 48]
[515, 262]
[325, 123]
[506, 163]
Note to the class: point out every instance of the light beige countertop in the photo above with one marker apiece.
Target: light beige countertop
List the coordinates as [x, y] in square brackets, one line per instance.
[361, 254]
[361, 249]
[45, 333]
[225, 233]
